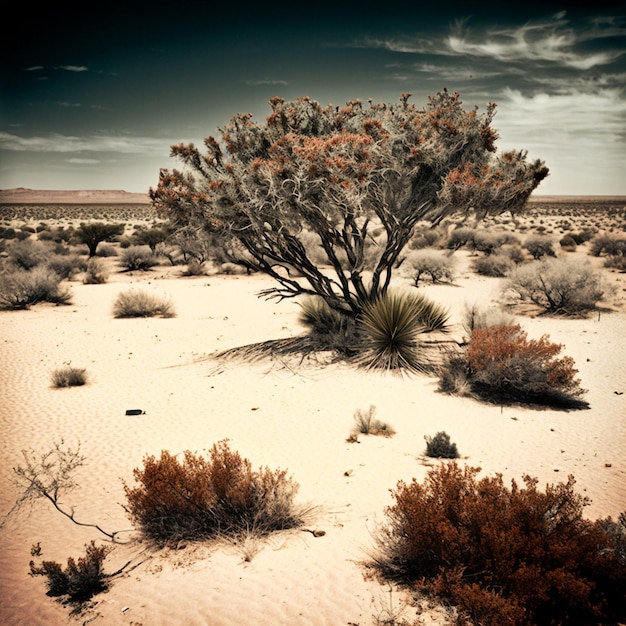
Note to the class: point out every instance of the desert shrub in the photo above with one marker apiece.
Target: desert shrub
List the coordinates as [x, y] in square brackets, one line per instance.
[68, 376]
[107, 250]
[584, 235]
[198, 497]
[96, 272]
[194, 268]
[441, 447]
[435, 265]
[28, 254]
[504, 366]
[475, 316]
[138, 303]
[607, 244]
[568, 243]
[616, 262]
[21, 289]
[366, 423]
[66, 265]
[513, 251]
[81, 579]
[569, 287]
[496, 265]
[425, 236]
[328, 328]
[390, 327]
[151, 237]
[489, 241]
[539, 246]
[137, 258]
[518, 556]
[7, 233]
[461, 236]
[92, 234]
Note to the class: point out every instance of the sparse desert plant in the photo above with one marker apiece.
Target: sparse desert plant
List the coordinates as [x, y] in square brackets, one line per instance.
[436, 265]
[568, 243]
[564, 286]
[94, 233]
[137, 258]
[81, 579]
[608, 244]
[195, 268]
[460, 237]
[152, 236]
[21, 289]
[66, 265]
[495, 265]
[441, 447]
[390, 329]
[96, 272]
[327, 327]
[519, 556]
[139, 303]
[366, 423]
[198, 497]
[539, 246]
[107, 250]
[28, 254]
[68, 376]
[475, 316]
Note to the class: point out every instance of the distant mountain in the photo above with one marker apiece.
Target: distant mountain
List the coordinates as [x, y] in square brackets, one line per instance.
[21, 195]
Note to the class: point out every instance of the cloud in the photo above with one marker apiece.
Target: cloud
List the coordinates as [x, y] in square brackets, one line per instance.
[266, 81]
[72, 68]
[95, 143]
[83, 161]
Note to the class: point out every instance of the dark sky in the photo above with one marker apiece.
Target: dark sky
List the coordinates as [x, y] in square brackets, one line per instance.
[93, 98]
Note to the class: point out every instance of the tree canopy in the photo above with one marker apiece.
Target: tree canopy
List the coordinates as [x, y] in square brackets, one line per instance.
[346, 185]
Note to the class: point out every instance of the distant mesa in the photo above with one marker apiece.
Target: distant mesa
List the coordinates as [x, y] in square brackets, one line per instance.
[21, 195]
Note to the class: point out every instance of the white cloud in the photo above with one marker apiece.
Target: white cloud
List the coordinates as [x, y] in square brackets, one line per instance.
[83, 161]
[72, 68]
[95, 143]
[265, 81]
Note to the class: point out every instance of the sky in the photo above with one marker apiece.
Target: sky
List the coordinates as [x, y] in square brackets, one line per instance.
[94, 99]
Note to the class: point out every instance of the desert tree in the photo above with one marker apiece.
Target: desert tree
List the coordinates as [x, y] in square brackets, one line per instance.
[342, 173]
[94, 233]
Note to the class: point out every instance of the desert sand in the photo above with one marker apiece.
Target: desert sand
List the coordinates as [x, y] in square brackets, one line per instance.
[281, 414]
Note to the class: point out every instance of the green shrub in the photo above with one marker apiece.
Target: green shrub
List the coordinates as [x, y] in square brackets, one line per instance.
[518, 556]
[440, 446]
[199, 497]
[81, 579]
[138, 303]
[390, 328]
[137, 258]
[565, 286]
[69, 376]
[96, 272]
[21, 289]
[366, 423]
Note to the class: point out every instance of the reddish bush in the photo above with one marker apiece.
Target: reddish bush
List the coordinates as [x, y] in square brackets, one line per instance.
[200, 497]
[515, 556]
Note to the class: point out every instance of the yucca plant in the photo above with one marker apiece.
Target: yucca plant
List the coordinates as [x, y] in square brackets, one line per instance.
[390, 328]
[329, 328]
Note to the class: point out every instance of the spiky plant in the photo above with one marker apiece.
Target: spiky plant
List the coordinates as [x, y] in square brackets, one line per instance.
[391, 326]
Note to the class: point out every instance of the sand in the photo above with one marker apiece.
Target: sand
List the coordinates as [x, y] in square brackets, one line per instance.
[275, 413]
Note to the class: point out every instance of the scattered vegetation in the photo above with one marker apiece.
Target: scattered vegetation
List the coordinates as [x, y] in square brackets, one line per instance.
[96, 272]
[539, 246]
[502, 365]
[20, 289]
[93, 233]
[139, 303]
[198, 497]
[69, 376]
[436, 265]
[440, 446]
[517, 555]
[568, 287]
[137, 258]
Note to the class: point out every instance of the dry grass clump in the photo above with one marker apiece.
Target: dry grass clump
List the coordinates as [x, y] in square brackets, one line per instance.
[199, 498]
[137, 258]
[96, 272]
[139, 303]
[366, 423]
[69, 376]
[517, 556]
[502, 365]
[19, 289]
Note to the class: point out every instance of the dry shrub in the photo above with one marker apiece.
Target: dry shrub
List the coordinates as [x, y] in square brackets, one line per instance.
[69, 376]
[96, 272]
[141, 304]
[516, 556]
[81, 579]
[366, 423]
[495, 265]
[502, 365]
[434, 264]
[20, 289]
[200, 497]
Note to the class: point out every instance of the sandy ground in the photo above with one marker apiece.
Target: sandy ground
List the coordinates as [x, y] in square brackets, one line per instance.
[296, 417]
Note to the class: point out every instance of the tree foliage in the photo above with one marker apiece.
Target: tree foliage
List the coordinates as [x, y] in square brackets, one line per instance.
[340, 173]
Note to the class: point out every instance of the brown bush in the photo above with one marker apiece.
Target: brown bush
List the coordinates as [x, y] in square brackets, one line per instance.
[515, 556]
[200, 498]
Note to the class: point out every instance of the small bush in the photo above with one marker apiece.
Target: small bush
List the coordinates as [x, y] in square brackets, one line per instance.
[440, 446]
[28, 254]
[496, 265]
[200, 497]
[539, 246]
[518, 556]
[568, 287]
[66, 265]
[96, 272]
[502, 365]
[568, 243]
[141, 304]
[435, 265]
[81, 579]
[328, 328]
[366, 423]
[462, 236]
[69, 376]
[21, 289]
[139, 258]
[475, 316]
[609, 245]
[390, 327]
